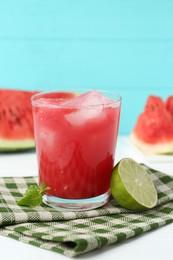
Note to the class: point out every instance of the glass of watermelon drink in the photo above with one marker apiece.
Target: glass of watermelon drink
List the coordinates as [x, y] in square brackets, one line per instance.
[75, 138]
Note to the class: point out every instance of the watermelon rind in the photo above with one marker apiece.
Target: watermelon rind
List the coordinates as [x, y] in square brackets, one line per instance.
[16, 145]
[165, 147]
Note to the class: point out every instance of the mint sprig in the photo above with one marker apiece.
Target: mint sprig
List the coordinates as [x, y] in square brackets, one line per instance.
[33, 195]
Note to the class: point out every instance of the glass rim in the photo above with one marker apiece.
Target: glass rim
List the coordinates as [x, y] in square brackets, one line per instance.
[35, 102]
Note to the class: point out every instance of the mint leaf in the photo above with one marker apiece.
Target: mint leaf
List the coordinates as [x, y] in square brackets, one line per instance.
[33, 195]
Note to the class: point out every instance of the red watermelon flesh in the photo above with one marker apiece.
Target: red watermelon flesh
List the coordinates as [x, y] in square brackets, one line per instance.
[169, 104]
[153, 132]
[16, 120]
[153, 104]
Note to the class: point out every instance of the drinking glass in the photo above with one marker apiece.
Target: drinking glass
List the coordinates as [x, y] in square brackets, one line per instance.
[75, 146]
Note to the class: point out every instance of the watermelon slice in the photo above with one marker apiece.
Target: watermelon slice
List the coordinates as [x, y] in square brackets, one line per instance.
[16, 121]
[153, 132]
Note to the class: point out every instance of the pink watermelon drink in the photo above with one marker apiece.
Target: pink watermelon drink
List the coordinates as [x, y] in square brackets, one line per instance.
[75, 143]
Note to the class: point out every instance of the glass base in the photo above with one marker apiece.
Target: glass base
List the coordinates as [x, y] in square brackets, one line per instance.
[76, 204]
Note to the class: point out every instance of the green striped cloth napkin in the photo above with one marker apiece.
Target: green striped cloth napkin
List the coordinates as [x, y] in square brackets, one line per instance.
[74, 233]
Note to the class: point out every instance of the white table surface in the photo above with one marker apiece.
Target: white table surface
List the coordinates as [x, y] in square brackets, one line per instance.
[156, 244]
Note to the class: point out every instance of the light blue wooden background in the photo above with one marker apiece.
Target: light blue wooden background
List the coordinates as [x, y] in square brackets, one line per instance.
[125, 46]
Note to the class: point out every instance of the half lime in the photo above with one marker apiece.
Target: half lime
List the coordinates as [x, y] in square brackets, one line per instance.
[132, 187]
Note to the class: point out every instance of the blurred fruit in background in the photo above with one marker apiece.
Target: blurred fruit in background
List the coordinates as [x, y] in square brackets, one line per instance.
[16, 120]
[153, 132]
